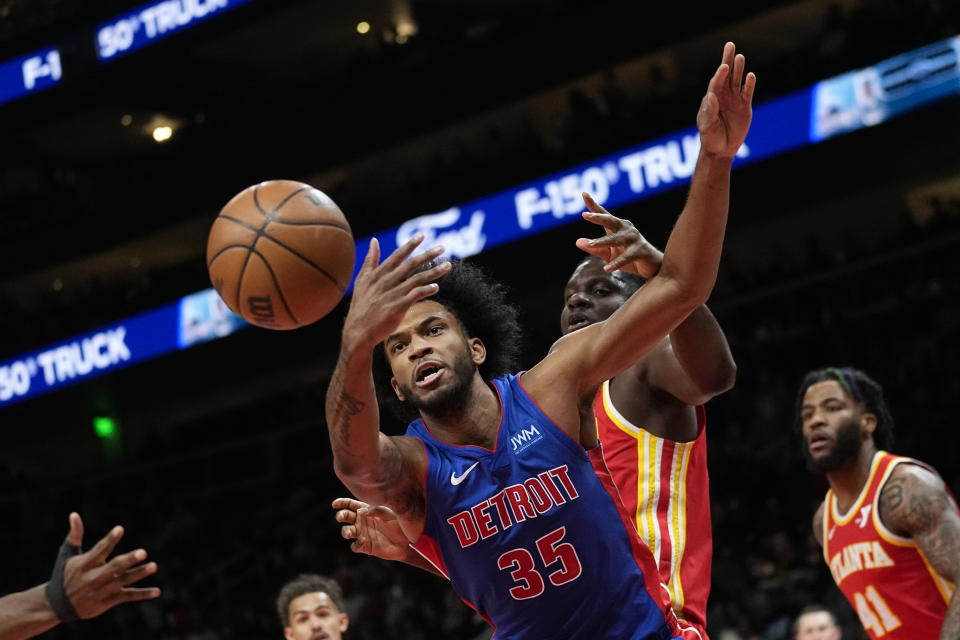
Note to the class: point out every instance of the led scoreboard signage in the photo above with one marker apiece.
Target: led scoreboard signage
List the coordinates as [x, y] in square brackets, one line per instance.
[30, 73]
[831, 107]
[155, 21]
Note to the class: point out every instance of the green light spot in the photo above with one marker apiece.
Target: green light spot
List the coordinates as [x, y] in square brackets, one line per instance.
[105, 427]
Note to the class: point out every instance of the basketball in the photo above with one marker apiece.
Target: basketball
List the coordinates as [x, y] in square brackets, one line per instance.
[280, 254]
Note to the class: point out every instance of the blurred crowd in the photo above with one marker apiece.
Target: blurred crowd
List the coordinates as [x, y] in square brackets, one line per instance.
[235, 504]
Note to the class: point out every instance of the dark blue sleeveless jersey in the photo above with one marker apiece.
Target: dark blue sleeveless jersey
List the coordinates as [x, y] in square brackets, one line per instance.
[531, 536]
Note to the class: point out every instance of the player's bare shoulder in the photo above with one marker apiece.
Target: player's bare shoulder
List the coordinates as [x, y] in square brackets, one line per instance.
[915, 503]
[818, 524]
[912, 500]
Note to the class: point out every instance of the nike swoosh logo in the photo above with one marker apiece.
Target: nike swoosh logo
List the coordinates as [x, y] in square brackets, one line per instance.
[455, 479]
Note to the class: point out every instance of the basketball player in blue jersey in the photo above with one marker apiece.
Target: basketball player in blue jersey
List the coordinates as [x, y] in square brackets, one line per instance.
[492, 482]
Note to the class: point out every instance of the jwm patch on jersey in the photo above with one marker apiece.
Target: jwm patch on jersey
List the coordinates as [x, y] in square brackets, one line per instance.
[531, 536]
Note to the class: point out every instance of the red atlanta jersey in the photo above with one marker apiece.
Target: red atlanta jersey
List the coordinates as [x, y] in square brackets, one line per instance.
[886, 577]
[665, 487]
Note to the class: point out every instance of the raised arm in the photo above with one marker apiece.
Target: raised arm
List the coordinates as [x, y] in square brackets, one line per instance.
[695, 364]
[373, 466]
[586, 358]
[915, 503]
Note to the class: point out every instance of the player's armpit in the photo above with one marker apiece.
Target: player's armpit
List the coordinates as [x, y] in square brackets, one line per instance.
[915, 503]
[818, 524]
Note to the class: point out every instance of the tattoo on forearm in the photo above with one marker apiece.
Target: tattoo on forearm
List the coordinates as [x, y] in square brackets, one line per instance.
[345, 407]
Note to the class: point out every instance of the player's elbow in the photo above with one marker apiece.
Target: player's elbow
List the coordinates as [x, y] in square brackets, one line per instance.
[721, 379]
[696, 291]
[707, 384]
[690, 285]
[353, 473]
[683, 295]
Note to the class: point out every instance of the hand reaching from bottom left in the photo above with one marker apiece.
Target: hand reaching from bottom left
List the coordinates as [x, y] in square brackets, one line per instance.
[375, 531]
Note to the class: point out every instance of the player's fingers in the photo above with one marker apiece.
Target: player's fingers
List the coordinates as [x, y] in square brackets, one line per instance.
[380, 512]
[136, 574]
[608, 221]
[356, 547]
[617, 263]
[736, 76]
[426, 277]
[619, 239]
[599, 252]
[348, 503]
[75, 535]
[719, 78]
[592, 204]
[349, 532]
[131, 594]
[748, 85]
[373, 256]
[401, 253]
[409, 267]
[420, 293]
[348, 516]
[98, 554]
[123, 562]
[729, 51]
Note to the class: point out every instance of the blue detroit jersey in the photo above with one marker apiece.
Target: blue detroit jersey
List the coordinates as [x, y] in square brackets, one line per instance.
[531, 538]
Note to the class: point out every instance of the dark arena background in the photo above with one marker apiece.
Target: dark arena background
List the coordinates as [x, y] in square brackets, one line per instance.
[123, 134]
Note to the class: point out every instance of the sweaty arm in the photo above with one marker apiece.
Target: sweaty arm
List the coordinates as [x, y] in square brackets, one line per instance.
[915, 503]
[375, 467]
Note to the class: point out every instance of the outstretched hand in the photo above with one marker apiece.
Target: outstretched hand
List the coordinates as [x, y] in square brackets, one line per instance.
[375, 531]
[93, 584]
[726, 110]
[383, 292]
[623, 247]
